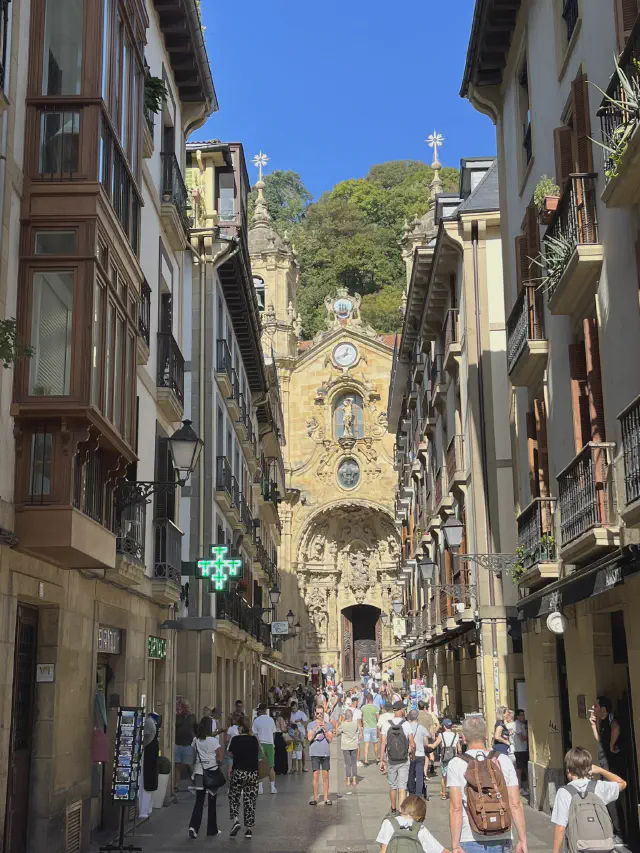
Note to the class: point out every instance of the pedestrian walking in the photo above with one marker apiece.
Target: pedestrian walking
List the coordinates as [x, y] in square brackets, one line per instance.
[208, 756]
[397, 746]
[149, 770]
[449, 744]
[325, 675]
[608, 734]
[501, 735]
[320, 735]
[370, 714]
[416, 765]
[282, 743]
[480, 818]
[264, 728]
[579, 810]
[245, 749]
[521, 747]
[349, 740]
[186, 725]
[407, 831]
[300, 720]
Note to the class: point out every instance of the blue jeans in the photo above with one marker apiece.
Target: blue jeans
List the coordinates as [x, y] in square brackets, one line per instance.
[487, 846]
[416, 776]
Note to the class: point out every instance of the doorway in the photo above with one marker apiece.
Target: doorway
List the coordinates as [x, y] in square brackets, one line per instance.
[361, 637]
[21, 736]
[563, 693]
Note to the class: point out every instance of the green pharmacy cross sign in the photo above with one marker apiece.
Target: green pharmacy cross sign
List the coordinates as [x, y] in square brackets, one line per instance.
[220, 568]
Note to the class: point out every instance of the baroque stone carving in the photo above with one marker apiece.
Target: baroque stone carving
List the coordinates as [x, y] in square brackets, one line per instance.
[359, 579]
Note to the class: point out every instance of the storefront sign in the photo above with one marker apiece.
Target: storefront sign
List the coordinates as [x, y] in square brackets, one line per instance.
[607, 578]
[126, 765]
[45, 672]
[109, 640]
[220, 567]
[280, 627]
[157, 648]
[399, 626]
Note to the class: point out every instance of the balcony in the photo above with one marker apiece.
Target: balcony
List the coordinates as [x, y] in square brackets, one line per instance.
[167, 561]
[622, 188]
[573, 253]
[587, 504]
[451, 337]
[419, 367]
[174, 209]
[455, 462]
[170, 377]
[537, 543]
[224, 368]
[241, 423]
[527, 346]
[438, 382]
[233, 399]
[630, 425]
[234, 616]
[250, 445]
[144, 324]
[130, 523]
[224, 476]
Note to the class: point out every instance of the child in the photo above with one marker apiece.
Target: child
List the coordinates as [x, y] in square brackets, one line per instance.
[579, 768]
[413, 810]
[298, 746]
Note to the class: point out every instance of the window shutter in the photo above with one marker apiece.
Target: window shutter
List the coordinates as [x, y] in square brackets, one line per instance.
[579, 395]
[540, 413]
[626, 14]
[594, 377]
[533, 230]
[164, 500]
[582, 123]
[563, 143]
[532, 454]
[522, 262]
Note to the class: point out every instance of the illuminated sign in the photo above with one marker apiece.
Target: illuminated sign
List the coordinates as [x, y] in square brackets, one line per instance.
[220, 568]
[157, 648]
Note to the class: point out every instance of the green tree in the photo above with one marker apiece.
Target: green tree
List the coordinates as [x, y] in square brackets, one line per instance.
[382, 309]
[286, 196]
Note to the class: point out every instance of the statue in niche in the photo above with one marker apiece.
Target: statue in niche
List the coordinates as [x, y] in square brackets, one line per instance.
[359, 577]
[347, 417]
[319, 622]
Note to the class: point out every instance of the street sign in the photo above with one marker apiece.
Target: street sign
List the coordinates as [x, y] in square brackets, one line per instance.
[280, 627]
[220, 567]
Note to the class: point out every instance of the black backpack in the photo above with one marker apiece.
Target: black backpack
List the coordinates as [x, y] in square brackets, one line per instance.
[397, 743]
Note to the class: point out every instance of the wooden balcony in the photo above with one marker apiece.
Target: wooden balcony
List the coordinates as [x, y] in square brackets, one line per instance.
[527, 346]
[575, 224]
[588, 522]
[537, 544]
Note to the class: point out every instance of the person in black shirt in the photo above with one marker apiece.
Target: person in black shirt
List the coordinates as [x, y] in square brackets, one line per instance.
[606, 730]
[245, 749]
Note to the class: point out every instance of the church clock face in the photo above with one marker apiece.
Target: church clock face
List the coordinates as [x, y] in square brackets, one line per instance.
[344, 355]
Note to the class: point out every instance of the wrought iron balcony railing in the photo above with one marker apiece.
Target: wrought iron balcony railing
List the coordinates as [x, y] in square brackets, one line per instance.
[537, 533]
[235, 388]
[438, 487]
[170, 365]
[167, 550]
[130, 523]
[174, 190]
[92, 488]
[586, 497]
[224, 362]
[224, 475]
[525, 323]
[450, 328]
[630, 424]
[455, 457]
[527, 144]
[436, 374]
[144, 318]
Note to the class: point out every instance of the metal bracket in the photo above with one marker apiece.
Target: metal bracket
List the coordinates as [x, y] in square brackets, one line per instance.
[492, 562]
[132, 492]
[8, 537]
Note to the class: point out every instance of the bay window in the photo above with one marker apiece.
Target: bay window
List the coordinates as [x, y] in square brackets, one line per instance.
[62, 53]
[51, 333]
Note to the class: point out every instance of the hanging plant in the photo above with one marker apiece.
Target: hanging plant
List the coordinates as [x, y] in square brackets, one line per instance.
[155, 93]
[616, 143]
[11, 348]
[553, 262]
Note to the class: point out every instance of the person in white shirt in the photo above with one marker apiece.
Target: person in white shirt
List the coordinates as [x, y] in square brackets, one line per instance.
[299, 718]
[357, 719]
[521, 746]
[264, 728]
[397, 770]
[416, 765]
[412, 813]
[208, 755]
[463, 838]
[580, 768]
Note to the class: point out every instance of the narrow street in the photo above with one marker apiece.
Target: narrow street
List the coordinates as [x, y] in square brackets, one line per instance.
[286, 823]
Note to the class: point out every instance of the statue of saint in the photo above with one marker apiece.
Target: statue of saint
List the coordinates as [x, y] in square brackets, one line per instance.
[347, 418]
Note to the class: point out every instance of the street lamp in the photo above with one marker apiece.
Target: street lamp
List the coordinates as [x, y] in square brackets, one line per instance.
[274, 595]
[291, 618]
[396, 606]
[427, 568]
[185, 447]
[297, 628]
[384, 618]
[453, 530]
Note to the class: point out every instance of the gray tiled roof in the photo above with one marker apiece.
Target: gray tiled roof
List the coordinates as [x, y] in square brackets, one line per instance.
[485, 196]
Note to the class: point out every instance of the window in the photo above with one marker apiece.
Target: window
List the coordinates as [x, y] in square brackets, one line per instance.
[96, 343]
[570, 15]
[40, 473]
[226, 196]
[258, 284]
[525, 111]
[349, 416]
[62, 55]
[106, 48]
[55, 242]
[59, 143]
[51, 334]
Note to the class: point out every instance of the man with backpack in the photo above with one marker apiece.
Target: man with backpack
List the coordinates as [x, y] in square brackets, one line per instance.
[484, 796]
[580, 811]
[397, 748]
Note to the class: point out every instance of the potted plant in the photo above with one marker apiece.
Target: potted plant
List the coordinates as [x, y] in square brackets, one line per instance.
[164, 774]
[546, 197]
[155, 93]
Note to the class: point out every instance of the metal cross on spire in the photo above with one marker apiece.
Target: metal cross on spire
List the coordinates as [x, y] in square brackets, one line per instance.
[435, 141]
[260, 161]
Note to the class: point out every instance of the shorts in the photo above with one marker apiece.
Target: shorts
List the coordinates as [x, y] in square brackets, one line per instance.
[320, 762]
[398, 775]
[522, 760]
[183, 755]
[371, 735]
[269, 753]
[297, 754]
[443, 769]
[504, 846]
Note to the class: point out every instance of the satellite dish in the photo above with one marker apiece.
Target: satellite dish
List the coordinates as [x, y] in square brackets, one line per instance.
[557, 623]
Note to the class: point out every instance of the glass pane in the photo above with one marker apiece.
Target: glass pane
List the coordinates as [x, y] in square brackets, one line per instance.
[51, 333]
[59, 139]
[136, 115]
[62, 54]
[130, 372]
[124, 125]
[226, 196]
[96, 343]
[117, 374]
[106, 49]
[55, 243]
[108, 365]
[40, 474]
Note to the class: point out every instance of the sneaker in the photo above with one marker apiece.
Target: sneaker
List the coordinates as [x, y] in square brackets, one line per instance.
[273, 788]
[235, 829]
[260, 791]
[248, 833]
[360, 764]
[192, 832]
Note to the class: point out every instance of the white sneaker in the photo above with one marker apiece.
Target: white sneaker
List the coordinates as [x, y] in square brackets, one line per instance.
[360, 764]
[273, 788]
[260, 791]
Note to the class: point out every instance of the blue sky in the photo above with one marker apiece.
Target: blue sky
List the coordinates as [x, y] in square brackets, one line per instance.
[329, 89]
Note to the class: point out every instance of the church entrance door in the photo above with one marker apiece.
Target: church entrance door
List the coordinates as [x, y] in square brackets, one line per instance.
[360, 639]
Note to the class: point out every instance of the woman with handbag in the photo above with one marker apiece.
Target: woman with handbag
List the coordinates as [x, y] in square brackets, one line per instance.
[244, 747]
[208, 777]
[281, 742]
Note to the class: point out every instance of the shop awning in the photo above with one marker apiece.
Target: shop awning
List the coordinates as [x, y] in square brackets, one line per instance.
[291, 670]
[580, 585]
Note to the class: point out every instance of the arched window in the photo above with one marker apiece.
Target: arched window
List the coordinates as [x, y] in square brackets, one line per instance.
[348, 416]
[258, 284]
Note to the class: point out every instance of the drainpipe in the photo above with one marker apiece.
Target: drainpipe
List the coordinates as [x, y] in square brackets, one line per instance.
[485, 468]
[231, 249]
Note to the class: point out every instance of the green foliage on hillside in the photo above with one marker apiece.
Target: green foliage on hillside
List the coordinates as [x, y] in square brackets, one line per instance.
[350, 236]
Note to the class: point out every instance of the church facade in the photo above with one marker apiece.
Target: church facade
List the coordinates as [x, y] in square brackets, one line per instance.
[340, 552]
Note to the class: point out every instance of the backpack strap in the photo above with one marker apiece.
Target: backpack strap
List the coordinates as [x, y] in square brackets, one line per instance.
[395, 825]
[574, 791]
[591, 787]
[465, 757]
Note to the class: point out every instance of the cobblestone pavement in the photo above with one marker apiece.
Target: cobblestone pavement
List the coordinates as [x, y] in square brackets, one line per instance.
[286, 823]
